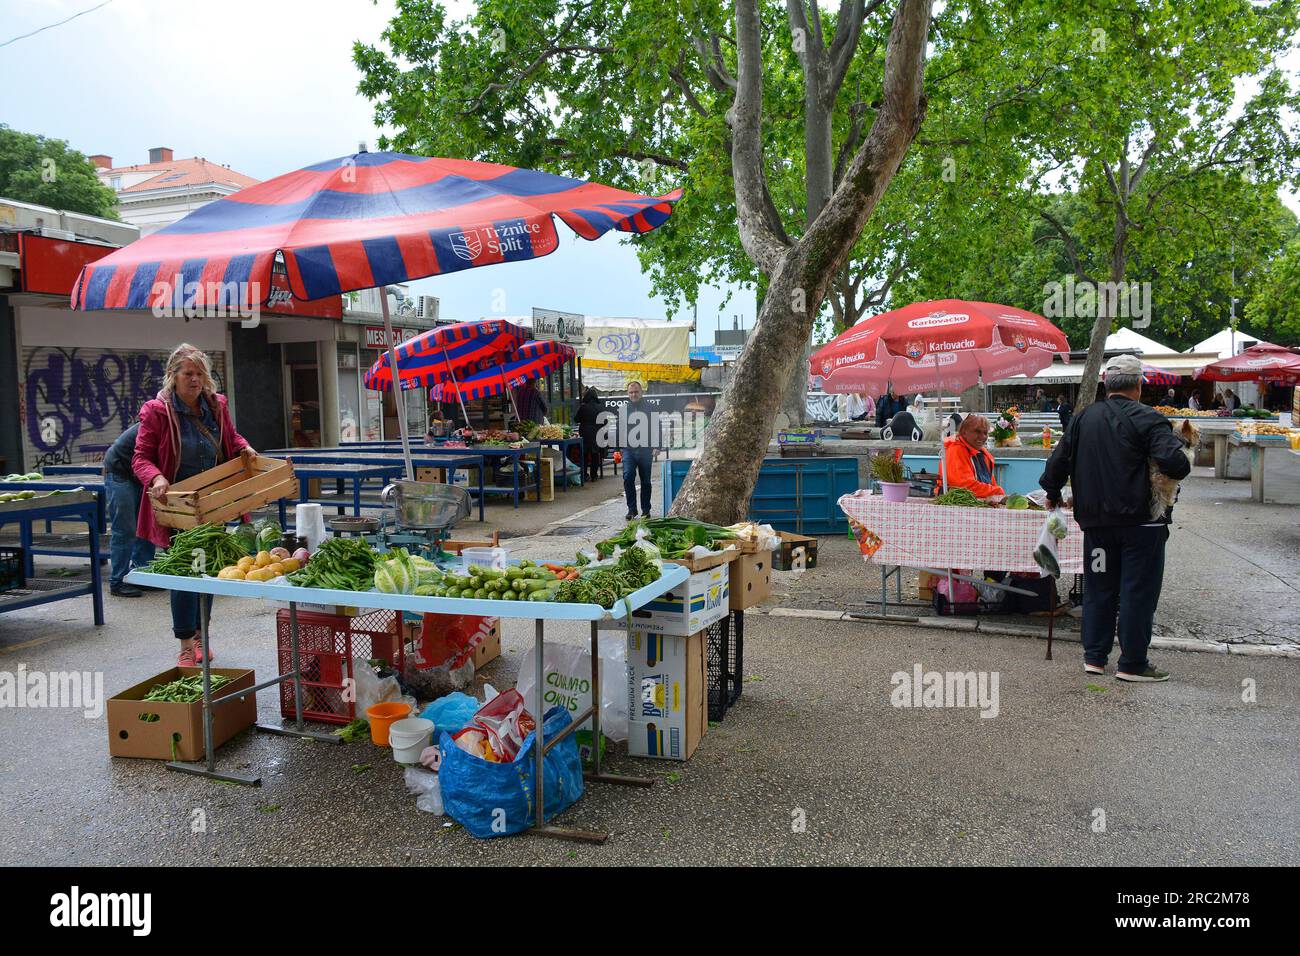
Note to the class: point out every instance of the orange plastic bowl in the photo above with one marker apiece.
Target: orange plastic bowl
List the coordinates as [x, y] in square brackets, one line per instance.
[382, 716]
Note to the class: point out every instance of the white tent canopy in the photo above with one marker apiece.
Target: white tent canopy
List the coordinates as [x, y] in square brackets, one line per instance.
[1225, 344]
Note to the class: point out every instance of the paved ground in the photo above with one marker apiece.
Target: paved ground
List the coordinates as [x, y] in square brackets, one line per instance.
[1185, 772]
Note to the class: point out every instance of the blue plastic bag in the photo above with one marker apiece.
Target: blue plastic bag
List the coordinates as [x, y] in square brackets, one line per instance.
[451, 712]
[497, 799]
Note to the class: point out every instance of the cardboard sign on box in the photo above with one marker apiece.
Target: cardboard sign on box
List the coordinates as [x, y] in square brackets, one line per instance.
[686, 609]
[751, 580]
[131, 736]
[667, 704]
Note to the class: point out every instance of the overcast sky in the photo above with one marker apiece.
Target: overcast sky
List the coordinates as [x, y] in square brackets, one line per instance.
[268, 86]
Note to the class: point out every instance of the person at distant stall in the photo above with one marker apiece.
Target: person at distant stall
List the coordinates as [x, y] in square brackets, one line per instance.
[640, 449]
[1194, 402]
[1217, 403]
[185, 430]
[1230, 400]
[531, 403]
[588, 418]
[889, 405]
[1042, 402]
[127, 550]
[1064, 411]
[1171, 399]
[967, 462]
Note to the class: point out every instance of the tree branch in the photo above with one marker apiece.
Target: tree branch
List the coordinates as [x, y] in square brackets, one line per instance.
[746, 118]
[1071, 250]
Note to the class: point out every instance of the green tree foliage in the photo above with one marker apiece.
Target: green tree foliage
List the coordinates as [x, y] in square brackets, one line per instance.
[46, 172]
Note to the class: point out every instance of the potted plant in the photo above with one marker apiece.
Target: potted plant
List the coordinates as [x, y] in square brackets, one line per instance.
[1005, 427]
[888, 470]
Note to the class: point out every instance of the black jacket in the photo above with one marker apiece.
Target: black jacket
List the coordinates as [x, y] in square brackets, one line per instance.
[118, 457]
[588, 419]
[1104, 455]
[888, 407]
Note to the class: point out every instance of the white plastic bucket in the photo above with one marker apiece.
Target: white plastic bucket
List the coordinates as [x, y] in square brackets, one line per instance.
[408, 737]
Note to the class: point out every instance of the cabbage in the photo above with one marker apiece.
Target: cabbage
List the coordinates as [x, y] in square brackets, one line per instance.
[384, 582]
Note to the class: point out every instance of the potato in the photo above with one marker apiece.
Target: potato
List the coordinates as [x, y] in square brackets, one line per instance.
[258, 575]
[236, 574]
[276, 569]
[263, 559]
[246, 564]
[290, 565]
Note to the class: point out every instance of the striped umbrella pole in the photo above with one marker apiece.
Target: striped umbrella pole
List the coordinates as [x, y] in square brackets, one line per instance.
[399, 396]
[454, 382]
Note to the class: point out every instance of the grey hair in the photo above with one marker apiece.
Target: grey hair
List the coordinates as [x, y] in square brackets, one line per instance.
[1123, 381]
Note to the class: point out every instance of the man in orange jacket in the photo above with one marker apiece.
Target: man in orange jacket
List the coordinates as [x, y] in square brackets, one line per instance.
[967, 463]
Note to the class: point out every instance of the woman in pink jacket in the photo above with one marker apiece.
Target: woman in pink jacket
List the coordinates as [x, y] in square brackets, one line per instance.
[185, 430]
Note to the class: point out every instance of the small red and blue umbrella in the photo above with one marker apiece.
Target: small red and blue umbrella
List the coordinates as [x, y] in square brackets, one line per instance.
[530, 361]
[440, 355]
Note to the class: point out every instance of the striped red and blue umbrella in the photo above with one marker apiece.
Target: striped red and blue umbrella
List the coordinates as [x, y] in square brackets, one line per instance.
[531, 360]
[1158, 376]
[357, 222]
[446, 353]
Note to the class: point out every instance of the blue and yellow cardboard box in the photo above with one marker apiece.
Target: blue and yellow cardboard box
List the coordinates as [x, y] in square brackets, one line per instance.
[667, 706]
[687, 609]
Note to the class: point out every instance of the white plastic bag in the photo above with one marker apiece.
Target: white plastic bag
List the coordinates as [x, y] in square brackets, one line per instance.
[425, 784]
[567, 675]
[371, 689]
[1045, 550]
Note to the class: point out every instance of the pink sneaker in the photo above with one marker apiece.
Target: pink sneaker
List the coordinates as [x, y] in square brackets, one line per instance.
[186, 658]
[198, 653]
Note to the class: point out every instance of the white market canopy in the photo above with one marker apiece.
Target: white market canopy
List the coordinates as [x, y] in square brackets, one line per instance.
[1225, 344]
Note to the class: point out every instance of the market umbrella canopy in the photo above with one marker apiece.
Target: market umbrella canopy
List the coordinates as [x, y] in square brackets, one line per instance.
[928, 346]
[531, 360]
[357, 222]
[1263, 362]
[448, 352]
[1158, 376]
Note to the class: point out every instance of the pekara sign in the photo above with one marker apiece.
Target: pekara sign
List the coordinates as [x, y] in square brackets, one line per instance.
[567, 328]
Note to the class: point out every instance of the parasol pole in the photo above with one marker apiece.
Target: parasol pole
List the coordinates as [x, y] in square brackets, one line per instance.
[510, 392]
[943, 469]
[459, 397]
[399, 394]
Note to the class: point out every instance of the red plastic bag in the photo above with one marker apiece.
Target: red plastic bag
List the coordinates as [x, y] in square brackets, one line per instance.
[498, 729]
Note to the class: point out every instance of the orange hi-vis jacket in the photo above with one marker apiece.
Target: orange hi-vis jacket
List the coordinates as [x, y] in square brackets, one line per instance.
[968, 467]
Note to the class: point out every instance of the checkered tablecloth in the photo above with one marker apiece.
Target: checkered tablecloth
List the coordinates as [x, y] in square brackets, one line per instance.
[915, 534]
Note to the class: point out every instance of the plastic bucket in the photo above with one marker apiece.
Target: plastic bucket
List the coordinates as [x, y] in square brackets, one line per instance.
[382, 716]
[895, 490]
[409, 737]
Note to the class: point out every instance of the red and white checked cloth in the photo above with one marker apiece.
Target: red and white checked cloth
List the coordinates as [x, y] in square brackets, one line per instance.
[915, 534]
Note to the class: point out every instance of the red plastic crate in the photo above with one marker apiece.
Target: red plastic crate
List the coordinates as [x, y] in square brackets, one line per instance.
[327, 646]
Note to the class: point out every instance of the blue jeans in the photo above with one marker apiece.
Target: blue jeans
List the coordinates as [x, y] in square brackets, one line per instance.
[125, 550]
[636, 461]
[185, 613]
[1125, 588]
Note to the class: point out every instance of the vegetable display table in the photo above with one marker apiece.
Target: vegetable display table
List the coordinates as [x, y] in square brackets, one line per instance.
[74, 506]
[935, 538]
[309, 469]
[93, 485]
[537, 611]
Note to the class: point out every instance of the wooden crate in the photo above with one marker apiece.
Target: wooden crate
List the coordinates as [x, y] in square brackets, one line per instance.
[224, 493]
[548, 482]
[707, 561]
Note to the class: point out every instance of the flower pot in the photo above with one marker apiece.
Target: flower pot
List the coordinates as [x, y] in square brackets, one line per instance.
[895, 490]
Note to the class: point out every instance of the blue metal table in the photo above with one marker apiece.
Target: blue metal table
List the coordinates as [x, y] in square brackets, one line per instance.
[393, 463]
[538, 611]
[564, 444]
[305, 471]
[91, 484]
[73, 470]
[71, 507]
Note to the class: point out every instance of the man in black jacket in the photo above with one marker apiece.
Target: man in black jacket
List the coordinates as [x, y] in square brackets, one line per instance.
[889, 406]
[1104, 455]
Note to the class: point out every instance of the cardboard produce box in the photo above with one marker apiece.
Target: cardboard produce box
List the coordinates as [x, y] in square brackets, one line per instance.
[750, 582]
[667, 702]
[548, 482]
[690, 607]
[130, 736]
[795, 548]
[488, 650]
[925, 585]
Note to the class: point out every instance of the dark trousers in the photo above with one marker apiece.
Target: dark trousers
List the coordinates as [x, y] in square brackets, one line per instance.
[126, 551]
[593, 455]
[1123, 570]
[636, 461]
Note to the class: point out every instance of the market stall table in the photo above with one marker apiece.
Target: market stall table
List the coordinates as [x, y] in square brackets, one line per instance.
[75, 506]
[307, 469]
[564, 444]
[537, 611]
[917, 534]
[1258, 444]
[308, 457]
[48, 470]
[94, 485]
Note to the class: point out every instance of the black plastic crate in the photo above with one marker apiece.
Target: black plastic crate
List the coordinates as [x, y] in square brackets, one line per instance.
[12, 575]
[724, 661]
